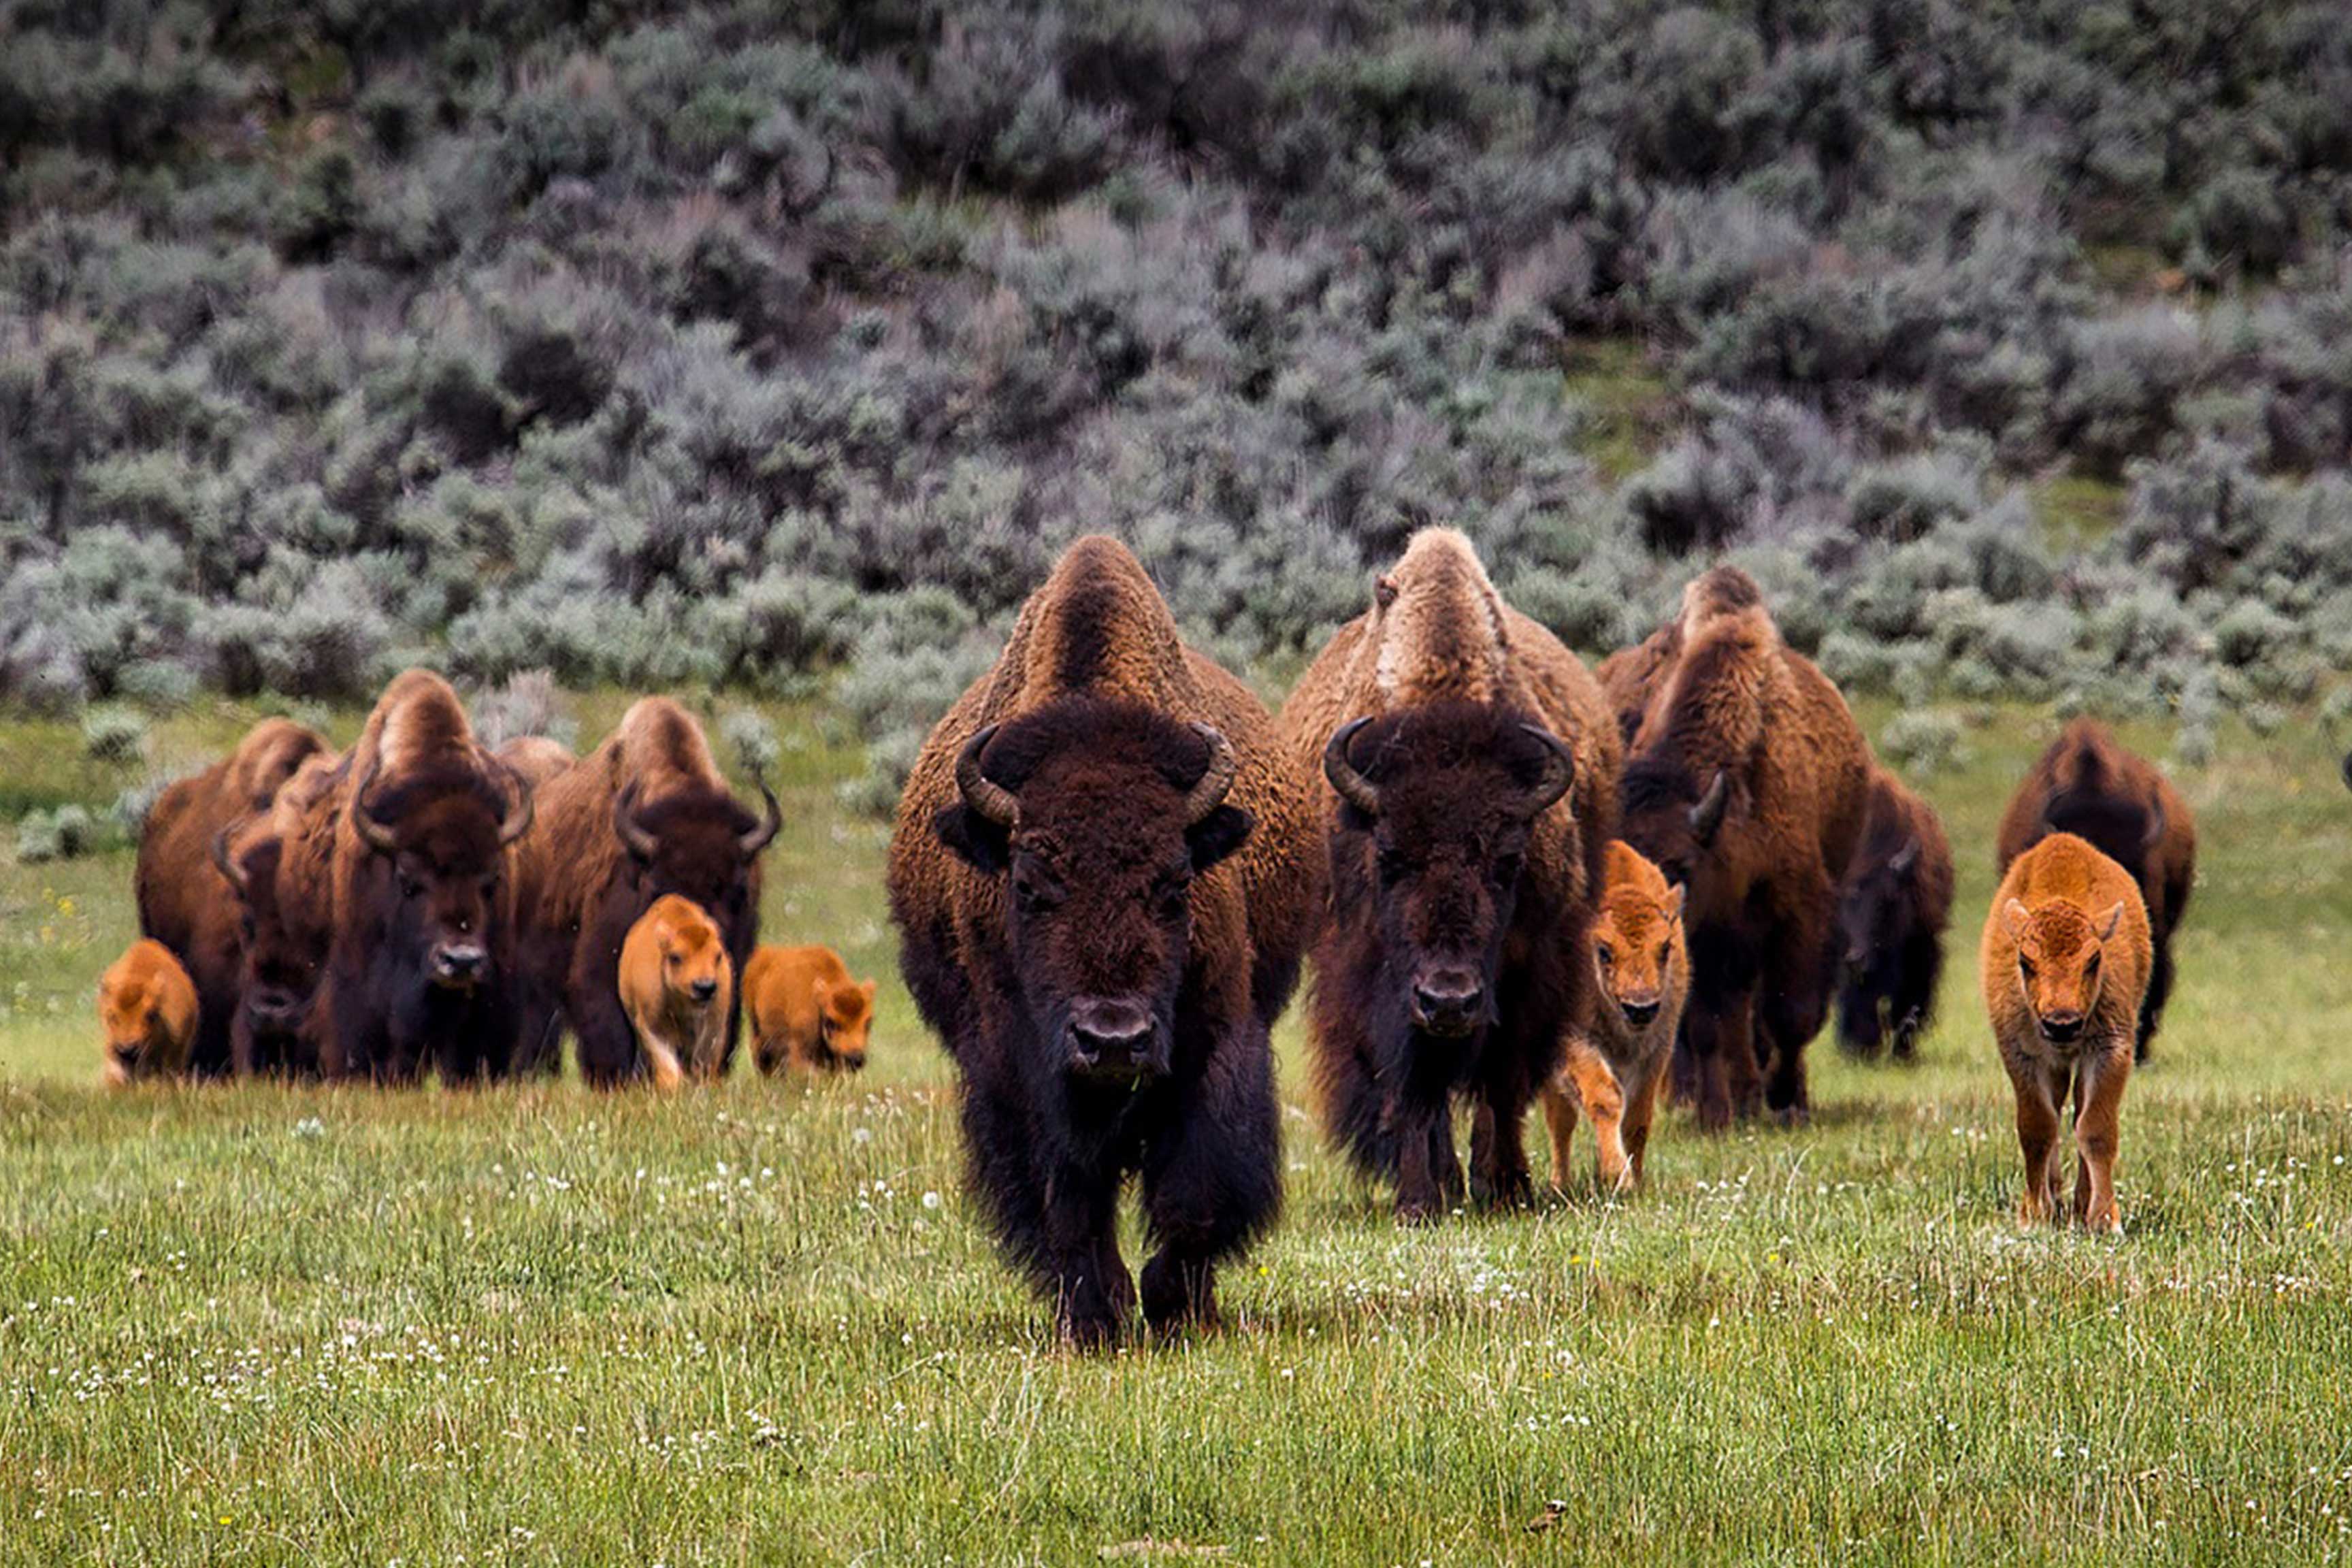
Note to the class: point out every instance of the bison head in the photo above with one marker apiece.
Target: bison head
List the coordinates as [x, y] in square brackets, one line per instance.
[281, 947]
[445, 832]
[2120, 827]
[1673, 820]
[2059, 953]
[1635, 936]
[699, 845]
[694, 970]
[844, 1017]
[1875, 908]
[1097, 816]
[1437, 809]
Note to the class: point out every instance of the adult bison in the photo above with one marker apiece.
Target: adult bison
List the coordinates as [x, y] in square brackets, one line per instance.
[1747, 782]
[644, 815]
[280, 866]
[181, 904]
[1102, 870]
[421, 961]
[2088, 785]
[1892, 913]
[1469, 773]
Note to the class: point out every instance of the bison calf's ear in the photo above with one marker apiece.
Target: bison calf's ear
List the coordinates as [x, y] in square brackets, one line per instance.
[1217, 834]
[2109, 921]
[2015, 917]
[985, 846]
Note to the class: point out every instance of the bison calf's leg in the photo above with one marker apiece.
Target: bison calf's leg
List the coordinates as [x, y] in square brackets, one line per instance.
[1605, 1101]
[1559, 1109]
[2099, 1098]
[1641, 1110]
[2037, 1136]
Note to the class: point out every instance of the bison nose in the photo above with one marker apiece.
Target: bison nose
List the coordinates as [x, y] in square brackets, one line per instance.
[1639, 1014]
[1448, 1001]
[457, 963]
[272, 1004]
[704, 990]
[854, 1062]
[2062, 1028]
[1109, 1037]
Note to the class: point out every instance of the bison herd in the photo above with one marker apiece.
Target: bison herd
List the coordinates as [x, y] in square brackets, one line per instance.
[1518, 879]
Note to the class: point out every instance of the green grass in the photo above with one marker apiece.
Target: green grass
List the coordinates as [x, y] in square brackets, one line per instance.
[1626, 402]
[2076, 511]
[541, 1326]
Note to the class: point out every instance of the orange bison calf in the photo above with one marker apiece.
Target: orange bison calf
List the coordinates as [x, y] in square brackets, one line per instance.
[675, 982]
[1616, 1069]
[806, 1012]
[2066, 960]
[147, 1005]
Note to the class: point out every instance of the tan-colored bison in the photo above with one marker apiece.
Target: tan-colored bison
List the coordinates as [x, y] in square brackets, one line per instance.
[1747, 782]
[537, 758]
[677, 986]
[1615, 1069]
[806, 1014]
[1892, 914]
[2066, 959]
[1468, 771]
[2088, 784]
[147, 1007]
[646, 815]
[182, 903]
[1101, 870]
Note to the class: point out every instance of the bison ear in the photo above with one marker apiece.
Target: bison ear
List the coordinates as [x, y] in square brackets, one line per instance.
[1217, 834]
[2109, 921]
[822, 992]
[1675, 902]
[2013, 919]
[985, 846]
[868, 989]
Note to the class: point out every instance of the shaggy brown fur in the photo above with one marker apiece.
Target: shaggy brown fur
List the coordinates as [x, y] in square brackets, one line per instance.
[1615, 1069]
[676, 985]
[1101, 923]
[1892, 913]
[147, 1007]
[536, 758]
[2065, 961]
[2088, 784]
[806, 1014]
[647, 813]
[1455, 891]
[421, 958]
[1747, 784]
[183, 903]
[280, 866]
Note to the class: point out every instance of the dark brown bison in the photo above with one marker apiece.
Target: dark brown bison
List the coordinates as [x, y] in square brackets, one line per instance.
[1747, 782]
[1891, 915]
[421, 961]
[281, 867]
[2089, 785]
[181, 904]
[646, 815]
[1102, 869]
[1468, 770]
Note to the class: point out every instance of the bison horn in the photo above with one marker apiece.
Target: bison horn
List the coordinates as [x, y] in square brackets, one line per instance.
[1352, 786]
[223, 860]
[2155, 825]
[378, 836]
[1217, 781]
[1905, 857]
[1707, 814]
[1559, 770]
[982, 793]
[521, 804]
[760, 834]
[641, 844]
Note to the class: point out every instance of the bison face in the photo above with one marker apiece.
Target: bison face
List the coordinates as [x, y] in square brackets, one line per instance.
[2059, 953]
[445, 837]
[1875, 908]
[2125, 831]
[693, 958]
[1674, 822]
[1438, 806]
[281, 950]
[698, 844]
[1097, 819]
[1634, 941]
[845, 1016]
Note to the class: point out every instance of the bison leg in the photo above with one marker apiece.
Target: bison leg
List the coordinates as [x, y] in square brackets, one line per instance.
[2098, 1107]
[1427, 1170]
[1498, 1149]
[1717, 1030]
[1093, 1292]
[1212, 1183]
[1605, 1101]
[607, 1045]
[1793, 1006]
[1641, 1110]
[2037, 1134]
[2151, 1007]
[1559, 1109]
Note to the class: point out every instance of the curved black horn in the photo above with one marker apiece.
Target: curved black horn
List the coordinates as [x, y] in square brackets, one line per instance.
[771, 820]
[1352, 786]
[223, 860]
[1217, 781]
[981, 793]
[521, 805]
[1560, 770]
[1707, 814]
[1905, 857]
[641, 844]
[2155, 825]
[378, 836]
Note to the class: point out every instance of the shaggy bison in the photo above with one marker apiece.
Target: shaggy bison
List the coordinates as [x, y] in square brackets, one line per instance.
[1896, 902]
[806, 1014]
[280, 866]
[1101, 870]
[646, 815]
[676, 987]
[181, 904]
[1468, 773]
[1615, 1069]
[2088, 786]
[1747, 782]
[147, 1006]
[2066, 959]
[421, 958]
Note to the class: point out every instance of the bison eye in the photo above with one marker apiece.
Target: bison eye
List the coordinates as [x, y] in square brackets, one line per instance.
[1606, 954]
[1035, 896]
[2092, 967]
[410, 887]
[1170, 897]
[1506, 869]
[2025, 966]
[1391, 866]
[1665, 952]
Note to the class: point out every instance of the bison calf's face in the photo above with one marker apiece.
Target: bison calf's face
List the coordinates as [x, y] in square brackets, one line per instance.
[1634, 940]
[2059, 963]
[844, 1015]
[1438, 808]
[1097, 818]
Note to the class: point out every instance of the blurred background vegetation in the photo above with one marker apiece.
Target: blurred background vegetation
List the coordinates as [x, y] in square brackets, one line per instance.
[777, 348]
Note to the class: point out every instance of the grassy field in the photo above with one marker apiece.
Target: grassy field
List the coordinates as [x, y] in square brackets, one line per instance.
[759, 1324]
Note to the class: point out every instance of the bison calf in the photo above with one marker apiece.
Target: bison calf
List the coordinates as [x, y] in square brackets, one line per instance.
[675, 986]
[806, 1012]
[147, 1006]
[1615, 1069]
[1892, 913]
[2066, 959]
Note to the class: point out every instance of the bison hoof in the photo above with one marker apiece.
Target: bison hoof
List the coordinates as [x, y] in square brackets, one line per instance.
[1419, 1211]
[1178, 1296]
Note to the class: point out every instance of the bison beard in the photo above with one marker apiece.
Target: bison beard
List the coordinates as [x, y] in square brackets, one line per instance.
[1447, 967]
[1105, 1036]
